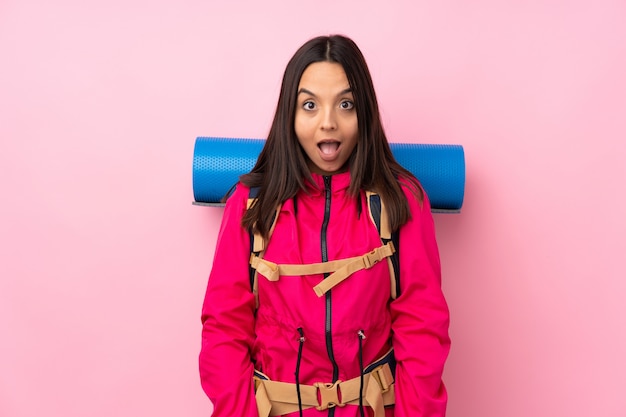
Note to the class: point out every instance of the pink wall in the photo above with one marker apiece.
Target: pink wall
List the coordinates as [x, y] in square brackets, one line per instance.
[104, 260]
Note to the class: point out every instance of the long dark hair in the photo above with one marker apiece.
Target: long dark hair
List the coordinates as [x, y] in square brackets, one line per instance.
[281, 169]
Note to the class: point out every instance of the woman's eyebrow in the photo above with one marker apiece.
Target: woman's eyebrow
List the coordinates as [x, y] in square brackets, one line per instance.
[342, 92]
[304, 90]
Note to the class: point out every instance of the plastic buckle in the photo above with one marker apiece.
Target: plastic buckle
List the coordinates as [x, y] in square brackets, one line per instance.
[370, 259]
[329, 395]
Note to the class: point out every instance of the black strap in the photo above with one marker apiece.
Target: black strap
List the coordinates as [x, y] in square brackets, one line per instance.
[395, 259]
[254, 192]
[376, 207]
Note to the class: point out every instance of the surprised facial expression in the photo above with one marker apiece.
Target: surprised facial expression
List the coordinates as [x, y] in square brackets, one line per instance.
[325, 120]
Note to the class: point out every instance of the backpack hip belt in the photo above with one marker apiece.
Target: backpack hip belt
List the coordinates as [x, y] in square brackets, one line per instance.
[277, 398]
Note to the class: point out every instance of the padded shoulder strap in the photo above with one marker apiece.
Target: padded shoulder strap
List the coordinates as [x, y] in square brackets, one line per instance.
[378, 215]
[257, 243]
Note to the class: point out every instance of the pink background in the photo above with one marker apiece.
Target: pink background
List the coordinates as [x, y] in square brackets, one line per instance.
[104, 260]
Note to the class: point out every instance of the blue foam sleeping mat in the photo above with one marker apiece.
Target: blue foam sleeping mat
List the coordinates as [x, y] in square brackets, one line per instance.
[218, 162]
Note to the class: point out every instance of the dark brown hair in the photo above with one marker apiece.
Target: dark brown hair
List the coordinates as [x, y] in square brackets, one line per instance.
[281, 169]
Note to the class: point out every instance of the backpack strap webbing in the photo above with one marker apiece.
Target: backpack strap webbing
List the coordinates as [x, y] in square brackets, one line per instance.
[375, 389]
[341, 268]
[257, 243]
[378, 215]
[389, 250]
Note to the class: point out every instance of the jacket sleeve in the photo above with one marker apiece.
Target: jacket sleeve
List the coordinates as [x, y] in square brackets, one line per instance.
[226, 368]
[420, 319]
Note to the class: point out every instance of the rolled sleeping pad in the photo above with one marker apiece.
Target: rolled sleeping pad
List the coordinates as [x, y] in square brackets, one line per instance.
[218, 162]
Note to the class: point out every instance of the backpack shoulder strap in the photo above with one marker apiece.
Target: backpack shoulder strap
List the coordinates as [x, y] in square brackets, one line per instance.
[257, 243]
[378, 215]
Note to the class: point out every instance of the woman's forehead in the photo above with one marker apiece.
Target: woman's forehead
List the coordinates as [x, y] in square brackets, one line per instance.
[323, 77]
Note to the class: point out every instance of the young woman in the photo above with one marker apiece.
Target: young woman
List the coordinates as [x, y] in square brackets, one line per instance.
[320, 343]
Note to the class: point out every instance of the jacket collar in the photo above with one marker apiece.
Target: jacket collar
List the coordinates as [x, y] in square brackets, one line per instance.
[338, 182]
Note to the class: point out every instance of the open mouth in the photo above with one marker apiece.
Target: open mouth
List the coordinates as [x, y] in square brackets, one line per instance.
[328, 147]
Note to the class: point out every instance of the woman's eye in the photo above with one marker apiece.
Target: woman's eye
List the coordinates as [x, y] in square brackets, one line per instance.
[308, 105]
[347, 105]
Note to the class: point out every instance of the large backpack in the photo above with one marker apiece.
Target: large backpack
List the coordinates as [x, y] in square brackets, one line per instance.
[340, 269]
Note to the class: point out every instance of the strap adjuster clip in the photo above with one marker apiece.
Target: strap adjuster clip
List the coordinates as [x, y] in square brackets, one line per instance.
[370, 259]
[383, 376]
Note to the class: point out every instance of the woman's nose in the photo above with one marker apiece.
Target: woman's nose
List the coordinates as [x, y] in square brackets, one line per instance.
[329, 120]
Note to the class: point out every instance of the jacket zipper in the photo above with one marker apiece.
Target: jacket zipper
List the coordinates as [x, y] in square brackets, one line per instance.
[329, 338]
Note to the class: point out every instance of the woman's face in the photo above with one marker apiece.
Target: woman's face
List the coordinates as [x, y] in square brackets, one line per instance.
[325, 120]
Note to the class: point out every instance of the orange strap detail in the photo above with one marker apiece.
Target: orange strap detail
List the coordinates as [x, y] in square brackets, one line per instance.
[277, 398]
[341, 269]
